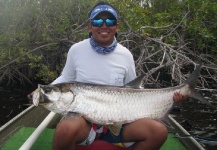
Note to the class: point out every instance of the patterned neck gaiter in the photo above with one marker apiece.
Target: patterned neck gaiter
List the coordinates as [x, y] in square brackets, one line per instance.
[103, 49]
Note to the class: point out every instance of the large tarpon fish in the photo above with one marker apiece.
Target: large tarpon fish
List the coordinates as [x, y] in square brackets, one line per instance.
[111, 105]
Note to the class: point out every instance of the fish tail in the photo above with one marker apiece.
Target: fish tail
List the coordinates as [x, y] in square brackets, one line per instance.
[196, 95]
[191, 81]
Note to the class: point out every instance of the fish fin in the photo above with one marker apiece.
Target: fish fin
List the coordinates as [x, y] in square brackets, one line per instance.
[71, 114]
[191, 80]
[196, 95]
[115, 128]
[136, 83]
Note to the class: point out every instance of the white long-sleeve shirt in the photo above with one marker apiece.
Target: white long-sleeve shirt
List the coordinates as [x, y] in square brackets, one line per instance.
[83, 64]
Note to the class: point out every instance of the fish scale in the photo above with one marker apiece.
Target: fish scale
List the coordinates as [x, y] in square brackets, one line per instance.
[111, 105]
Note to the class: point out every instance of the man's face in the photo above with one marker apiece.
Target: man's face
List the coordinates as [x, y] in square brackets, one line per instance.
[103, 35]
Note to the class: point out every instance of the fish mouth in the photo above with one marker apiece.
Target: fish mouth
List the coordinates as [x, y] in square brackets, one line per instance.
[35, 100]
[36, 96]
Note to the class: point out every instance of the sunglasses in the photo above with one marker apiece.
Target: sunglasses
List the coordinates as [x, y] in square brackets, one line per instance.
[99, 22]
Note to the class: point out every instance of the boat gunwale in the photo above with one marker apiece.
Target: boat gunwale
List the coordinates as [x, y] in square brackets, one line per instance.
[183, 131]
[6, 125]
[179, 129]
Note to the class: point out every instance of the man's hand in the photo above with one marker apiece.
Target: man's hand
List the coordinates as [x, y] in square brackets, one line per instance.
[177, 97]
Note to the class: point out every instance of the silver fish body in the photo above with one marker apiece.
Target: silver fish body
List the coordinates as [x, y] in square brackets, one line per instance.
[111, 105]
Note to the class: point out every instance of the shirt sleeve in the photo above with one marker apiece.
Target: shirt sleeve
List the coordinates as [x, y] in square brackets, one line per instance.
[69, 71]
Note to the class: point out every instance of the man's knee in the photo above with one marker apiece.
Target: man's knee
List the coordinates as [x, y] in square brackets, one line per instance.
[63, 134]
[158, 130]
[145, 129]
[161, 132]
[63, 129]
[71, 131]
[147, 133]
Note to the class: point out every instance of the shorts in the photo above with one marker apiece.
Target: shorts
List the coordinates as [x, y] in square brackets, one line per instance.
[102, 133]
[105, 135]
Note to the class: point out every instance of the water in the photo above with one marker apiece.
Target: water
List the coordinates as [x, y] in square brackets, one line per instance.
[196, 118]
[11, 104]
[199, 120]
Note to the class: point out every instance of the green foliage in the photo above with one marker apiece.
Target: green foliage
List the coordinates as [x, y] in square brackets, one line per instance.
[45, 74]
[27, 27]
[28, 24]
[201, 25]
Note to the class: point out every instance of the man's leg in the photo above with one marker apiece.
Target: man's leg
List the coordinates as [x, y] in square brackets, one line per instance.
[147, 133]
[69, 132]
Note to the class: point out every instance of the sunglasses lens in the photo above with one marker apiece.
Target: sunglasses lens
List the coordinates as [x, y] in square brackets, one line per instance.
[110, 22]
[99, 22]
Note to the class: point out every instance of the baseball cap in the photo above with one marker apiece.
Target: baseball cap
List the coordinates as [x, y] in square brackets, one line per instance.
[103, 8]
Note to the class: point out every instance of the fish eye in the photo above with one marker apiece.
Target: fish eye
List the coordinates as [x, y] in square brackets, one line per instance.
[47, 89]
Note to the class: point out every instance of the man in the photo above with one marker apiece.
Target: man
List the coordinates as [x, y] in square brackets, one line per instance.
[102, 60]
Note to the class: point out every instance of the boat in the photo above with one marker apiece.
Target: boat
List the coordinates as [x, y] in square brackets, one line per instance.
[33, 129]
